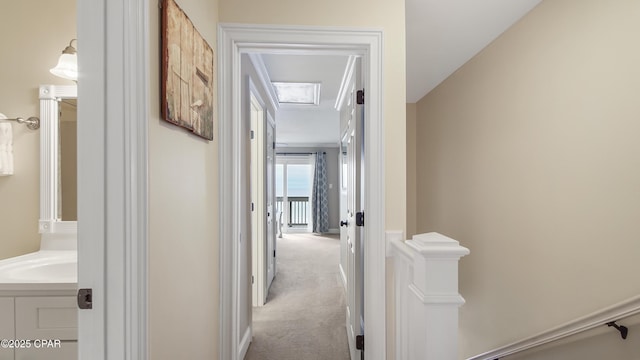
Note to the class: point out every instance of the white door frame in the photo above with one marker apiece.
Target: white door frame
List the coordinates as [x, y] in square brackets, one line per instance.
[234, 40]
[113, 88]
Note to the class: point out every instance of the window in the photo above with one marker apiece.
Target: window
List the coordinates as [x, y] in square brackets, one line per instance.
[294, 179]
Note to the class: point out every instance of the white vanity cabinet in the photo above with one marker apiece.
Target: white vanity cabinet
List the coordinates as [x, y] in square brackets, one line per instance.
[7, 322]
[45, 327]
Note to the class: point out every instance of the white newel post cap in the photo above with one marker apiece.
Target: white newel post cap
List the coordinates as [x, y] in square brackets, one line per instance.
[435, 275]
[434, 245]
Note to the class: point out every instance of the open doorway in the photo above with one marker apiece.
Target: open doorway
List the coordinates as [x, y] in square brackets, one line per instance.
[319, 281]
[235, 40]
[294, 179]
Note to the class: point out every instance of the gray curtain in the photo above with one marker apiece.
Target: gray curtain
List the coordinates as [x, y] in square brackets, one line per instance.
[319, 197]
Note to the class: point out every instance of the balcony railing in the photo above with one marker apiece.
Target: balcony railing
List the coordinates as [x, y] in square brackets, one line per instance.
[297, 210]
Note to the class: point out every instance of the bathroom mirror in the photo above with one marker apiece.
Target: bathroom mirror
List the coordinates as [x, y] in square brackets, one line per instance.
[58, 216]
[68, 155]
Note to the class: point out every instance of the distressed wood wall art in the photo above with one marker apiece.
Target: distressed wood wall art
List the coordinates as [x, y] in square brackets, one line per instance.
[187, 73]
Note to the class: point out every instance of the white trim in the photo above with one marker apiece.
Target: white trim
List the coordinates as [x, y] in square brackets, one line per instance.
[402, 256]
[343, 276]
[136, 101]
[271, 122]
[233, 40]
[454, 300]
[49, 222]
[112, 134]
[334, 231]
[390, 237]
[344, 85]
[263, 76]
[615, 312]
[398, 247]
[91, 177]
[244, 343]
[58, 227]
[56, 92]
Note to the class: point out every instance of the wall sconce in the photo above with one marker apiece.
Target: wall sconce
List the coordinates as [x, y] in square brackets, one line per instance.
[67, 67]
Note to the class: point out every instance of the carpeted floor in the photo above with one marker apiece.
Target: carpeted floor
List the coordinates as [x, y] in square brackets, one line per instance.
[304, 317]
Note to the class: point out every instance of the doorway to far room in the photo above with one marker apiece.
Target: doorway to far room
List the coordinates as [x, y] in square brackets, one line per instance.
[294, 178]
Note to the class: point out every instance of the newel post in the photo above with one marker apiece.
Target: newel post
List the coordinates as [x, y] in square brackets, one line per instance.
[433, 330]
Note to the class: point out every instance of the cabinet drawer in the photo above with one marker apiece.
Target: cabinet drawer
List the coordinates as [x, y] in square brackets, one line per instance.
[47, 317]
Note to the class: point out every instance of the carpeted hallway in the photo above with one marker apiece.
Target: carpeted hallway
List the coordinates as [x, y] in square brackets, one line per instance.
[304, 317]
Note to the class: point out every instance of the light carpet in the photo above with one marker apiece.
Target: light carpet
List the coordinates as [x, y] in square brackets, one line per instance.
[304, 317]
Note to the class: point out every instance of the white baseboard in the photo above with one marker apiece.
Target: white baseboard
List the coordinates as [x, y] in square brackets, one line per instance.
[244, 343]
[333, 231]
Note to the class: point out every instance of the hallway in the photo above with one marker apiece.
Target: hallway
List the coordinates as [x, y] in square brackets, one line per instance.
[304, 317]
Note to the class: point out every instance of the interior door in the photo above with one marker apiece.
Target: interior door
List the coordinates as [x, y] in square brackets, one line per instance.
[270, 184]
[343, 207]
[354, 232]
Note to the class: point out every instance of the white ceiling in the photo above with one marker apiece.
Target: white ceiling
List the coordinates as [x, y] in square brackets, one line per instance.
[308, 124]
[325, 69]
[441, 36]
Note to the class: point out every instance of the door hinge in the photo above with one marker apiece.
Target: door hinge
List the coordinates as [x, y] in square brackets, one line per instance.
[85, 298]
[252, 279]
[360, 218]
[360, 97]
[252, 134]
[251, 206]
[360, 342]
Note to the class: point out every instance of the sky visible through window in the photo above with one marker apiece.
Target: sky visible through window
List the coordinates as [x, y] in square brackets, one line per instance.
[298, 180]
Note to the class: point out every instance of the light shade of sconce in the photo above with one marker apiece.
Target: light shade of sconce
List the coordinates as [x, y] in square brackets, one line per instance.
[67, 67]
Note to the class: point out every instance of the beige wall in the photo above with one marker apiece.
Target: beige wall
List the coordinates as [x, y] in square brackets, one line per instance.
[384, 14]
[33, 35]
[529, 155]
[412, 199]
[600, 343]
[183, 220]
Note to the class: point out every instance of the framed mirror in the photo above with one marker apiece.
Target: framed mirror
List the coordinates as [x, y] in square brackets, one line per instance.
[58, 216]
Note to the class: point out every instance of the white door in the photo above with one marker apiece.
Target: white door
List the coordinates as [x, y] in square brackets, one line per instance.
[352, 141]
[343, 207]
[260, 213]
[271, 203]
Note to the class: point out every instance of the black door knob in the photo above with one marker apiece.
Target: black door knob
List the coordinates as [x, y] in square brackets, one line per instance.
[344, 223]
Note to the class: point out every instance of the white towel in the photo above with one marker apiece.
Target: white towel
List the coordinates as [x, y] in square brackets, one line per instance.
[6, 147]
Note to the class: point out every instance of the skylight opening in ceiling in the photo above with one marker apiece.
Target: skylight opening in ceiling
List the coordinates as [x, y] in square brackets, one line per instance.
[297, 93]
